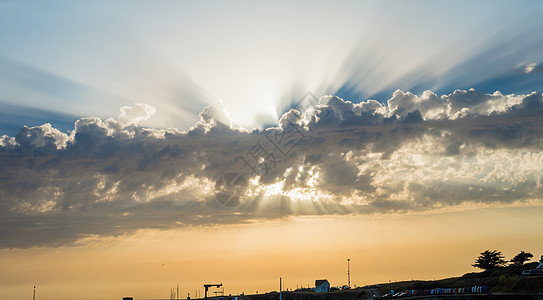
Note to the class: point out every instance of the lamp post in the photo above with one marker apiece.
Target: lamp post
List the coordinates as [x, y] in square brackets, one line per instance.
[280, 288]
[348, 273]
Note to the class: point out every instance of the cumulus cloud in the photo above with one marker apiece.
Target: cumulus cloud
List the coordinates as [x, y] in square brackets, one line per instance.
[132, 115]
[414, 153]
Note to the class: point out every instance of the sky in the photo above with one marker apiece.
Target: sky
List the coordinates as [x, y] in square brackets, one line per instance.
[145, 144]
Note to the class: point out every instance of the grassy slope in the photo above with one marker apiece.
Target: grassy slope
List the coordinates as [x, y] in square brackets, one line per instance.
[354, 294]
[505, 279]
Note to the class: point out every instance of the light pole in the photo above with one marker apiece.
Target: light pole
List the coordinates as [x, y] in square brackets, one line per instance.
[280, 288]
[348, 273]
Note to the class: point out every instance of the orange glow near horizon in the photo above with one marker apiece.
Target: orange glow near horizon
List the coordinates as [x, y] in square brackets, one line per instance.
[251, 258]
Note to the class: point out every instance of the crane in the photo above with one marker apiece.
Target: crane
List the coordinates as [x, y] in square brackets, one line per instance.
[207, 286]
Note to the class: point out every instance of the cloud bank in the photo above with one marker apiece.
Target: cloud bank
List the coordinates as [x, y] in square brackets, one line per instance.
[414, 153]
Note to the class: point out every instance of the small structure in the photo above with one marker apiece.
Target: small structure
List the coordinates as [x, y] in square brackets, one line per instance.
[540, 263]
[128, 298]
[322, 285]
[208, 285]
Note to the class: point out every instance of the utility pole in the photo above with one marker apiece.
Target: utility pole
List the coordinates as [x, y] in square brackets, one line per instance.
[178, 291]
[280, 289]
[34, 297]
[348, 273]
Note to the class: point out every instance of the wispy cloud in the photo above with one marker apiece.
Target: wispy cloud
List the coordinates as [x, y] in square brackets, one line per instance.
[528, 68]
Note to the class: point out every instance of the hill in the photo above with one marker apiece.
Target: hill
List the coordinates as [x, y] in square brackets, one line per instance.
[502, 283]
[500, 280]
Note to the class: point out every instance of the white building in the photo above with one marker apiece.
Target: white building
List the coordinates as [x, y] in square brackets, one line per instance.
[322, 285]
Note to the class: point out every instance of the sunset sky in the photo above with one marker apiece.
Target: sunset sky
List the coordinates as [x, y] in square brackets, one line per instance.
[145, 144]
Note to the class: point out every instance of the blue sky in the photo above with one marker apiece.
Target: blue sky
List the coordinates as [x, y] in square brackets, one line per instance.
[89, 59]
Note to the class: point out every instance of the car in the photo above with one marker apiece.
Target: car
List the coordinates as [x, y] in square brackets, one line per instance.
[532, 272]
[374, 286]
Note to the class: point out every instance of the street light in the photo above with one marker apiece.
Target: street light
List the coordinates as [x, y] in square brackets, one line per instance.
[348, 273]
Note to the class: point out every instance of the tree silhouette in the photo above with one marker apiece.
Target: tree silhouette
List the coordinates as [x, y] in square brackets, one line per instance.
[489, 260]
[521, 258]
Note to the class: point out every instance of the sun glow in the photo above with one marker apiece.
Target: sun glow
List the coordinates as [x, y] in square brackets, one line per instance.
[274, 189]
[304, 187]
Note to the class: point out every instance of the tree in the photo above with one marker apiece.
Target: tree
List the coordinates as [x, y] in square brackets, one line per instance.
[490, 260]
[521, 258]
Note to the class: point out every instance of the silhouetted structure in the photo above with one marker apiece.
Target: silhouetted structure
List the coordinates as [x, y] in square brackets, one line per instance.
[322, 285]
[207, 286]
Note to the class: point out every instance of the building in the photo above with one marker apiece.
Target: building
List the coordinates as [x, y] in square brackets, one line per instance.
[322, 285]
[540, 263]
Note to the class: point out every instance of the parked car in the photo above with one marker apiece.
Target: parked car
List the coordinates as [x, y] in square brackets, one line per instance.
[532, 272]
[374, 286]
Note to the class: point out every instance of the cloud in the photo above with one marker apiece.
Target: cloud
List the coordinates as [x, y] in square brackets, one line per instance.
[13, 117]
[414, 153]
[132, 115]
[42, 137]
[528, 68]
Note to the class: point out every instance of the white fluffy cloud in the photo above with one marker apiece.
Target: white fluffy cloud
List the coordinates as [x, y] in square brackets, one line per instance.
[132, 115]
[415, 153]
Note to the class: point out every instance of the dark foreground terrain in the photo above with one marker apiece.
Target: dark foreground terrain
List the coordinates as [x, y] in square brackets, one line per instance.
[499, 281]
[502, 283]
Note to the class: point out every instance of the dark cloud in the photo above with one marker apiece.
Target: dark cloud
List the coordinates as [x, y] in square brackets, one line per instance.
[111, 177]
